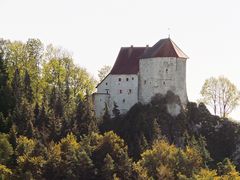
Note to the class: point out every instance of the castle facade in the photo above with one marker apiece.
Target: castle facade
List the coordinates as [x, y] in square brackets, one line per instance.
[139, 73]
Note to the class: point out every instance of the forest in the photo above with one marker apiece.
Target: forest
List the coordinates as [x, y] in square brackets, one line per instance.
[48, 129]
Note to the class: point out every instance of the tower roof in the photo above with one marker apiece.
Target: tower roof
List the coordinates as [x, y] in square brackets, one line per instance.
[164, 48]
[128, 58]
[127, 61]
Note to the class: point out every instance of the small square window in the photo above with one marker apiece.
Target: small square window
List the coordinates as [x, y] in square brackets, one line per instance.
[126, 79]
[145, 81]
[106, 84]
[123, 100]
[119, 79]
[129, 91]
[132, 78]
[120, 91]
[164, 83]
[166, 70]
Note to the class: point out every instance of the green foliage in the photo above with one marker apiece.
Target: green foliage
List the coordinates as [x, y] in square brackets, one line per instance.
[103, 72]
[6, 149]
[165, 161]
[5, 172]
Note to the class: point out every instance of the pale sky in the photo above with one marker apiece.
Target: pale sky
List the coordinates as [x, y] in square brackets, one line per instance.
[208, 31]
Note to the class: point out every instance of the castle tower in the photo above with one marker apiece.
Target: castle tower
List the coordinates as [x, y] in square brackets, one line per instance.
[162, 68]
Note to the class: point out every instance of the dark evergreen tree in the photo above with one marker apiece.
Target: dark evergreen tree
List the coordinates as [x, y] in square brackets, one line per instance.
[67, 91]
[43, 120]
[30, 132]
[89, 116]
[53, 98]
[16, 87]
[13, 136]
[58, 110]
[27, 87]
[5, 123]
[6, 99]
[116, 111]
[36, 113]
[108, 168]
[106, 120]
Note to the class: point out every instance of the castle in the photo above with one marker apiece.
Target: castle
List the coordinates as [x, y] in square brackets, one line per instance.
[139, 73]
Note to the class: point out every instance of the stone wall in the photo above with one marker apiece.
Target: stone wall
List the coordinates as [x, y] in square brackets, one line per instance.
[158, 75]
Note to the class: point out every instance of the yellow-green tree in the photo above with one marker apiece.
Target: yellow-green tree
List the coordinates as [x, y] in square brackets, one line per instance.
[221, 94]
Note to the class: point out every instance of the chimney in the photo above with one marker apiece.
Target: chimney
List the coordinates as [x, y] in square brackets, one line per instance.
[130, 51]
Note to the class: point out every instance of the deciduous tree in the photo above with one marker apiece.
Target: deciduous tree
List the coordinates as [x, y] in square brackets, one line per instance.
[221, 94]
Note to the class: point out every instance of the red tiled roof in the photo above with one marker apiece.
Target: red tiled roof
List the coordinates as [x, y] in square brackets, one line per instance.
[128, 60]
[164, 48]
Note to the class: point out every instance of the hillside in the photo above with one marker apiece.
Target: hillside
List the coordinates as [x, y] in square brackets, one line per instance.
[48, 129]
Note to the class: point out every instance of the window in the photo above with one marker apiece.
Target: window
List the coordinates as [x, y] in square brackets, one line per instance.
[107, 91]
[164, 83]
[119, 79]
[120, 91]
[100, 100]
[145, 81]
[129, 91]
[132, 78]
[166, 70]
[106, 84]
[126, 79]
[123, 100]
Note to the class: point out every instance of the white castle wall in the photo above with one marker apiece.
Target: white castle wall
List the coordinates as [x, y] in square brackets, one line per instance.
[122, 89]
[158, 75]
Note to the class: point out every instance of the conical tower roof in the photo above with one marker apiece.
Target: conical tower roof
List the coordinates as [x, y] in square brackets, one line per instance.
[164, 48]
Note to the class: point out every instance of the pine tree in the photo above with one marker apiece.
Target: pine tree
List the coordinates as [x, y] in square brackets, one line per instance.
[67, 91]
[27, 87]
[30, 133]
[52, 99]
[16, 87]
[155, 130]
[13, 137]
[36, 112]
[108, 167]
[6, 99]
[90, 116]
[85, 118]
[116, 111]
[106, 120]
[58, 110]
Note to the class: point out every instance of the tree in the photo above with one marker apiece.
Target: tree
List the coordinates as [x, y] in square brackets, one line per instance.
[103, 72]
[227, 170]
[27, 87]
[6, 149]
[6, 100]
[108, 167]
[221, 94]
[17, 87]
[116, 111]
[165, 161]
